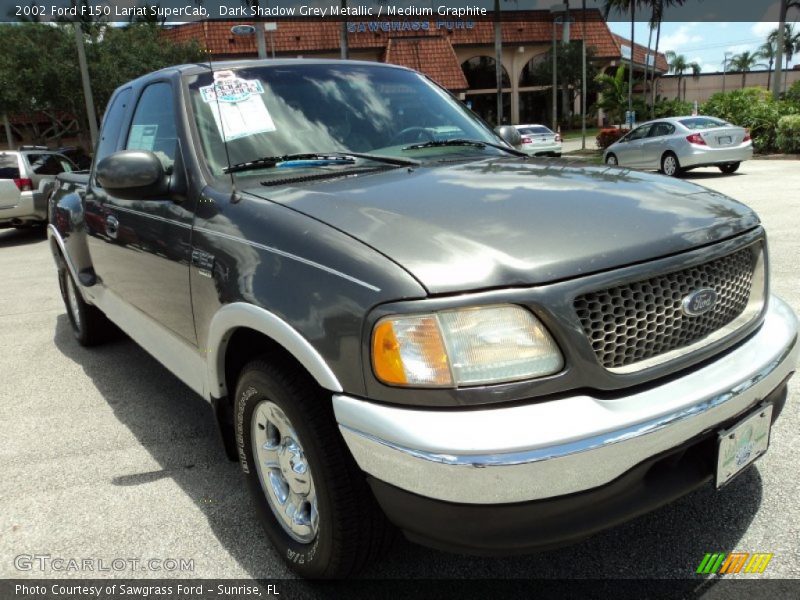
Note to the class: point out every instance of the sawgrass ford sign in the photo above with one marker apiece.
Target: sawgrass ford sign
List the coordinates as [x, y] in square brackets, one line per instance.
[389, 26]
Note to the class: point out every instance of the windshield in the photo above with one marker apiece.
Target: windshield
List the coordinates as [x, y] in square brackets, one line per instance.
[282, 110]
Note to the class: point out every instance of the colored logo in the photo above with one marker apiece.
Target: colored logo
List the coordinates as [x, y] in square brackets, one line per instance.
[699, 302]
[735, 562]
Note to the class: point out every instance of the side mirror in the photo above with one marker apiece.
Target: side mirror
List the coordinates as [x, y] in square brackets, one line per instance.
[509, 135]
[133, 175]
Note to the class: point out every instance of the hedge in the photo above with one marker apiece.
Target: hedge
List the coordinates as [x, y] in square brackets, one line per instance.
[788, 136]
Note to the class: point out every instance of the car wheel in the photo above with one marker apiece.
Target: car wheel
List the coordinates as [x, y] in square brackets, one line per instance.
[729, 168]
[670, 165]
[89, 325]
[611, 160]
[557, 154]
[310, 496]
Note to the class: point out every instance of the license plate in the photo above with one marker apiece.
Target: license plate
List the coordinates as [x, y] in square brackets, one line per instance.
[742, 444]
[724, 140]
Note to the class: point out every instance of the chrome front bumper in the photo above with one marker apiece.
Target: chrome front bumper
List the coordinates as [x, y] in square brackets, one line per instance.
[548, 449]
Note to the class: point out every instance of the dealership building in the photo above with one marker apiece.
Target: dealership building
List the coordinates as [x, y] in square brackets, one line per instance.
[457, 54]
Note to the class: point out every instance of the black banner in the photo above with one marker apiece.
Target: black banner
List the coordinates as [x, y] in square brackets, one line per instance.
[722, 588]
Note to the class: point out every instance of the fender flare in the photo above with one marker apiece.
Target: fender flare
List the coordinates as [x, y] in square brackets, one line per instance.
[236, 315]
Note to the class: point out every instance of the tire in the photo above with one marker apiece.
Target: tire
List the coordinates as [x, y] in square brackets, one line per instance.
[611, 160]
[89, 325]
[670, 166]
[729, 168]
[283, 419]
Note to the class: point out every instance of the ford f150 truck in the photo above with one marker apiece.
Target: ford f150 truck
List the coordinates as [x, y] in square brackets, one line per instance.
[401, 328]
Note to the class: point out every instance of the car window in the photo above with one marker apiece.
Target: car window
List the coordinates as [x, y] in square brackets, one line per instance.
[9, 166]
[661, 129]
[112, 124]
[638, 133]
[535, 131]
[46, 164]
[702, 123]
[153, 126]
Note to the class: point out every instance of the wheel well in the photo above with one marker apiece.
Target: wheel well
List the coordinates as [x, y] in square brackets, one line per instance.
[244, 345]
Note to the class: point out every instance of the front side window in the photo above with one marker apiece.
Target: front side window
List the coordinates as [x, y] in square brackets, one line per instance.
[317, 108]
[112, 124]
[639, 133]
[153, 126]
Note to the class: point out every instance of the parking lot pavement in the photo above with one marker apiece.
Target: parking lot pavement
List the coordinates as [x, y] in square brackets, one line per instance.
[106, 455]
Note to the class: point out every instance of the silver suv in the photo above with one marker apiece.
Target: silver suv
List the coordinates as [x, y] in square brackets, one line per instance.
[26, 178]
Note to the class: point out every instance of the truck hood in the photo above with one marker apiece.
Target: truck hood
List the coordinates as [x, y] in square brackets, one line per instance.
[506, 222]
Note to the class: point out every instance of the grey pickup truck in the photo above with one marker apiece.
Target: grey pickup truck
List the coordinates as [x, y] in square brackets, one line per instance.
[404, 324]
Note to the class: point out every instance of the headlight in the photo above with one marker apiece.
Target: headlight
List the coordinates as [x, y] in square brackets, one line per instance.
[471, 346]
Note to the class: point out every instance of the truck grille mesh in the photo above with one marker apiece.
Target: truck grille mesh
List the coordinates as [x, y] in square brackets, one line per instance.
[640, 320]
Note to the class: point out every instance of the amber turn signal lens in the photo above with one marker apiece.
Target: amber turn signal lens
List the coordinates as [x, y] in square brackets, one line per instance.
[410, 351]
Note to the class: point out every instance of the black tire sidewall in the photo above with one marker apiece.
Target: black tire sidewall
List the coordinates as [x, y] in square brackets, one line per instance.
[312, 559]
[64, 280]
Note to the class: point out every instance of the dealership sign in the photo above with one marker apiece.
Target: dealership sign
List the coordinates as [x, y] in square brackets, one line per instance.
[390, 26]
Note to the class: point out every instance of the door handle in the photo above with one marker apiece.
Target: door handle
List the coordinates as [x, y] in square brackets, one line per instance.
[112, 225]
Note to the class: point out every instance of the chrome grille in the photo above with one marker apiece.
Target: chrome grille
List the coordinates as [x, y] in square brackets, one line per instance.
[637, 321]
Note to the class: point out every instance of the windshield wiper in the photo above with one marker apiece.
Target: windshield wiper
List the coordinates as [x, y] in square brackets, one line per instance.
[332, 158]
[463, 142]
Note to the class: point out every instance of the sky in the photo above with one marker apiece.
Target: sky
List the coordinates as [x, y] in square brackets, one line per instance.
[704, 42]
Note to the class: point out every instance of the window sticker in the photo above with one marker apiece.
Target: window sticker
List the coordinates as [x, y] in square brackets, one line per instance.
[238, 108]
[142, 137]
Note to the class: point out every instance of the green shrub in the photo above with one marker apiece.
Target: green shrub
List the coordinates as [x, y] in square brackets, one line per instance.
[793, 94]
[753, 108]
[606, 137]
[672, 108]
[788, 137]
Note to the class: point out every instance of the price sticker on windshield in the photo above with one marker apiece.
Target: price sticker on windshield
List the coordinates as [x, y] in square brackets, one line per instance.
[237, 105]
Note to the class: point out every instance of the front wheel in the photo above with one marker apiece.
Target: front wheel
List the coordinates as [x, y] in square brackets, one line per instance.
[611, 160]
[729, 168]
[670, 165]
[311, 498]
[89, 325]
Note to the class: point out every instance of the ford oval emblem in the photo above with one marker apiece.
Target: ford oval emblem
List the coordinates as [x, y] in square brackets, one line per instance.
[243, 30]
[699, 302]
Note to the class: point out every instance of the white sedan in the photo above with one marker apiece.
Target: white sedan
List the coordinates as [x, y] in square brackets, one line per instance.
[677, 144]
[538, 140]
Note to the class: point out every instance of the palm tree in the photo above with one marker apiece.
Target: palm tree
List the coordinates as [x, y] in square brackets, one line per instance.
[625, 6]
[791, 43]
[784, 8]
[744, 62]
[656, 17]
[613, 94]
[678, 64]
[767, 51]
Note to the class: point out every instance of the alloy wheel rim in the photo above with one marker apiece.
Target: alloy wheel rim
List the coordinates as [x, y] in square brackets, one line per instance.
[612, 160]
[669, 165]
[284, 472]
